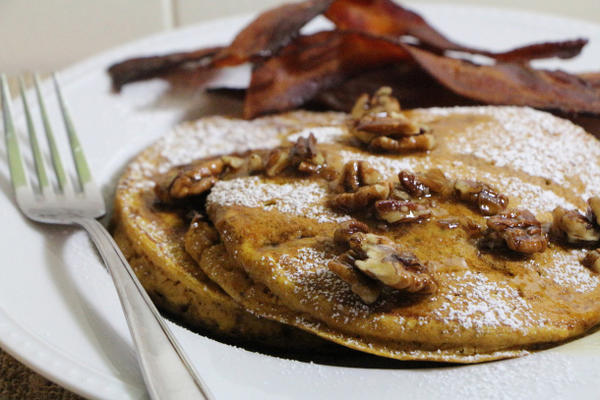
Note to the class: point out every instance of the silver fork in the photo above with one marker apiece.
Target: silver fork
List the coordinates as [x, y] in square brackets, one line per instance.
[167, 372]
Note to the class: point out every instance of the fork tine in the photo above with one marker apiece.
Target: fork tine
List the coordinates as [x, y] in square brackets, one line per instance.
[15, 161]
[35, 148]
[81, 165]
[61, 177]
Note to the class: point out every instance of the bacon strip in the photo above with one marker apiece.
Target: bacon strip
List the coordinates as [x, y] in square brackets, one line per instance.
[386, 18]
[137, 69]
[565, 49]
[313, 63]
[593, 78]
[511, 83]
[270, 31]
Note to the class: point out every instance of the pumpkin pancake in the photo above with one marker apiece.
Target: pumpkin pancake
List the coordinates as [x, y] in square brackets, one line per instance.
[464, 297]
[152, 236]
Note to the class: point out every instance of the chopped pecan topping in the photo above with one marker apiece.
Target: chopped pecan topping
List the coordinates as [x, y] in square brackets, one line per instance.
[519, 230]
[437, 182]
[380, 258]
[412, 184]
[195, 179]
[233, 162]
[481, 195]
[594, 203]
[362, 198]
[422, 142]
[306, 157]
[255, 163]
[277, 161]
[357, 174]
[471, 227]
[364, 287]
[398, 211]
[573, 226]
[379, 123]
[348, 228]
[393, 125]
[421, 185]
[305, 150]
[592, 260]
[381, 103]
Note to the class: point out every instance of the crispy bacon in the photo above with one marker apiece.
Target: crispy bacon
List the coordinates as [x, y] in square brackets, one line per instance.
[511, 83]
[564, 49]
[593, 78]
[386, 18]
[313, 63]
[270, 31]
[137, 69]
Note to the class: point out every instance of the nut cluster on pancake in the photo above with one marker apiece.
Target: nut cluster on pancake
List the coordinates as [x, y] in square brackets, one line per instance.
[378, 122]
[576, 229]
[518, 230]
[574, 226]
[374, 260]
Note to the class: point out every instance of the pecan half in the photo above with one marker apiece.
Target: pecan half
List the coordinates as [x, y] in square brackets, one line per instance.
[364, 287]
[481, 195]
[437, 182]
[255, 163]
[422, 142]
[594, 203]
[381, 259]
[362, 198]
[346, 229]
[379, 123]
[357, 174]
[424, 184]
[519, 230]
[277, 161]
[194, 179]
[592, 260]
[305, 150]
[381, 103]
[233, 162]
[398, 211]
[573, 226]
[412, 184]
[392, 125]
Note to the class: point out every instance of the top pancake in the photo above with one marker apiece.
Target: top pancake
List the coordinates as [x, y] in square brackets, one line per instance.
[279, 232]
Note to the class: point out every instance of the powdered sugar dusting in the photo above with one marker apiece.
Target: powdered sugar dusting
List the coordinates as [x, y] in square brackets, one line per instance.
[301, 198]
[489, 304]
[311, 278]
[567, 271]
[531, 141]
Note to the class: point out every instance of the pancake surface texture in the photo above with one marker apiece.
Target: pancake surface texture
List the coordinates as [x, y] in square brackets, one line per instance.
[273, 238]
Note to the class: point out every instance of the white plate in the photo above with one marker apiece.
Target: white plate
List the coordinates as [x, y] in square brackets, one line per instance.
[59, 313]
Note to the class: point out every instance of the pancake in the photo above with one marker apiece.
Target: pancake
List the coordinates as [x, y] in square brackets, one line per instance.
[151, 236]
[279, 233]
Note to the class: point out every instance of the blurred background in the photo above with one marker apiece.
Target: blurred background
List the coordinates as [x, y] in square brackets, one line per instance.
[48, 35]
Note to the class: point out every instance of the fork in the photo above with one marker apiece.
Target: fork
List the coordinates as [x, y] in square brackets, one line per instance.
[167, 372]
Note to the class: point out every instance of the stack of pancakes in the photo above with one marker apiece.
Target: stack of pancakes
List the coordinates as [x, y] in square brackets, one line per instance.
[250, 259]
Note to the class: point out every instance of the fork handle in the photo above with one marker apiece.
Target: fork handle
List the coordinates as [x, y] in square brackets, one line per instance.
[167, 372]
